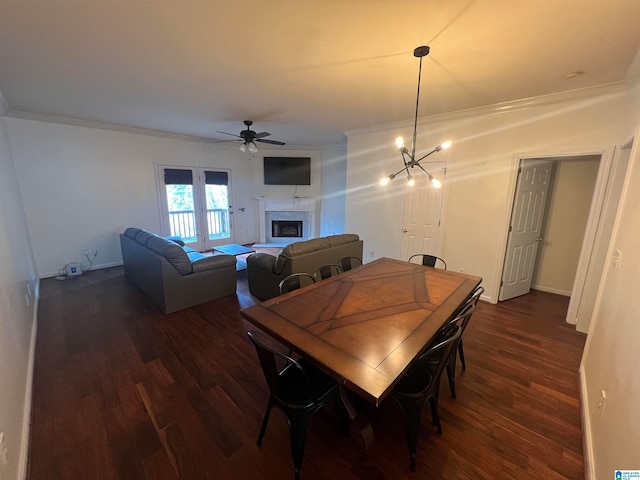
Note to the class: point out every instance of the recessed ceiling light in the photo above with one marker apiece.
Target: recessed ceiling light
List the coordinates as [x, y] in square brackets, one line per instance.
[573, 74]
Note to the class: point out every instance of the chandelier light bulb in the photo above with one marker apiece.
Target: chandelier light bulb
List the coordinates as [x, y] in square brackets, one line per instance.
[436, 183]
[400, 143]
[410, 181]
[446, 144]
[384, 181]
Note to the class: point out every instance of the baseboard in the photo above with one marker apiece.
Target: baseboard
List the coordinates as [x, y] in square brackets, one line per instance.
[551, 290]
[589, 469]
[95, 267]
[23, 462]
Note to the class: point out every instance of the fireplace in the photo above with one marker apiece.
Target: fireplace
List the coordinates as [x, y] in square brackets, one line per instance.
[297, 215]
[286, 228]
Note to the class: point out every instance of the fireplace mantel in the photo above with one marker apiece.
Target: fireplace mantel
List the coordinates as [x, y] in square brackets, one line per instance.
[270, 205]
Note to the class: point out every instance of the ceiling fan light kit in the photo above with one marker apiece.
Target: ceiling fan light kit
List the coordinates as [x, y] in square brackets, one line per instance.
[249, 138]
[409, 158]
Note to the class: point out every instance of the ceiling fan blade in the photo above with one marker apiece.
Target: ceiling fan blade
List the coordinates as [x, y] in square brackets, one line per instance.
[227, 141]
[225, 133]
[262, 135]
[273, 142]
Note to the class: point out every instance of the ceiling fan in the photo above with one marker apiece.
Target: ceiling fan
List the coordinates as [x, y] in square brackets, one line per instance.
[249, 138]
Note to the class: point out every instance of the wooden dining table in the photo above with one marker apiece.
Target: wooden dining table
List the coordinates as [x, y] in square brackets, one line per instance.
[366, 326]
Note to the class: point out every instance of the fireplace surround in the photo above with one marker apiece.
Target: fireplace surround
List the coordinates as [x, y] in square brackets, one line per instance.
[298, 211]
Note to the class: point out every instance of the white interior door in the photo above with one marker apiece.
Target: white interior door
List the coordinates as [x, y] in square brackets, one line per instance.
[421, 213]
[530, 200]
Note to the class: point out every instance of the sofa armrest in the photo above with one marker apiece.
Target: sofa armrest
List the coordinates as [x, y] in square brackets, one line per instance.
[212, 262]
[262, 261]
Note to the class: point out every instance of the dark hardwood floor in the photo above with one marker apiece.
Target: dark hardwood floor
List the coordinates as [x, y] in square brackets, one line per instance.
[123, 391]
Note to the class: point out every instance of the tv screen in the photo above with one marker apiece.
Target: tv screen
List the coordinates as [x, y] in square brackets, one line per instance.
[287, 171]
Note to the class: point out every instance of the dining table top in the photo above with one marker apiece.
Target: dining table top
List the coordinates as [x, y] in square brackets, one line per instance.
[366, 326]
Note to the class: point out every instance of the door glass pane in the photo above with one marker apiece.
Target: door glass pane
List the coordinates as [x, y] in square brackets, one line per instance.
[218, 211]
[182, 221]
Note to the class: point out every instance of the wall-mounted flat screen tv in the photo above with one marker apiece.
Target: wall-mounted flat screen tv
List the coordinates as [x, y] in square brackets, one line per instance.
[287, 171]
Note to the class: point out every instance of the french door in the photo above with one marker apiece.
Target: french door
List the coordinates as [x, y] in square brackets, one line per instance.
[196, 205]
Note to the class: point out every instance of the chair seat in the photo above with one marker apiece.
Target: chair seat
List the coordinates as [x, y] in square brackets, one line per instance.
[416, 381]
[296, 391]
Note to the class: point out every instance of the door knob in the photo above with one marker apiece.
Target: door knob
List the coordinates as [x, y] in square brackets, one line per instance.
[538, 239]
[404, 230]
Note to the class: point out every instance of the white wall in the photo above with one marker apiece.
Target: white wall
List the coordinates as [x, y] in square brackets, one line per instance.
[565, 222]
[334, 184]
[82, 186]
[481, 179]
[481, 167]
[17, 320]
[611, 357]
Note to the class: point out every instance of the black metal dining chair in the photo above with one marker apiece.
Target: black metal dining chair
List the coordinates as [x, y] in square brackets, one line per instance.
[430, 260]
[466, 312]
[327, 271]
[421, 384]
[298, 389]
[473, 300]
[347, 263]
[295, 281]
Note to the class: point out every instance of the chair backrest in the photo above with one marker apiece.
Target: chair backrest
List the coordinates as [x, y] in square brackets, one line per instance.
[438, 351]
[347, 263]
[475, 296]
[295, 281]
[327, 271]
[270, 360]
[429, 260]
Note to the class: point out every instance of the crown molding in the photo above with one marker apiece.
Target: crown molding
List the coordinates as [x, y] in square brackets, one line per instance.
[40, 117]
[632, 77]
[498, 108]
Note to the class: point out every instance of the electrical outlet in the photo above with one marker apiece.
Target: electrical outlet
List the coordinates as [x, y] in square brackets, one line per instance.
[602, 402]
[3, 450]
[372, 253]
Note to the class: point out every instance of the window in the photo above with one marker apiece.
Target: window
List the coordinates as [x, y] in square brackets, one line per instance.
[195, 204]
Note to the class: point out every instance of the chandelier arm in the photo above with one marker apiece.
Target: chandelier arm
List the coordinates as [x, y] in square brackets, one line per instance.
[427, 173]
[400, 171]
[425, 156]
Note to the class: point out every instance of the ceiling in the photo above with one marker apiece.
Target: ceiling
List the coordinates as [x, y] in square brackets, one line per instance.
[306, 71]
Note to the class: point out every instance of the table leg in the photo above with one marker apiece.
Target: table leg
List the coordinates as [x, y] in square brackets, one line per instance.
[359, 427]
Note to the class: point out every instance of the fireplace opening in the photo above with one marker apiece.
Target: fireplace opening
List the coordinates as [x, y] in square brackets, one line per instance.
[286, 228]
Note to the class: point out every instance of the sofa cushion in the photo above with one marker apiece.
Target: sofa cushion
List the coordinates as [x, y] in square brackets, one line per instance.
[336, 240]
[173, 252]
[143, 237]
[193, 256]
[214, 261]
[175, 239]
[300, 248]
[131, 232]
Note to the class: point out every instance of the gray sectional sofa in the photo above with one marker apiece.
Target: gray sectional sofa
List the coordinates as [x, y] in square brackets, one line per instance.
[175, 277]
[264, 271]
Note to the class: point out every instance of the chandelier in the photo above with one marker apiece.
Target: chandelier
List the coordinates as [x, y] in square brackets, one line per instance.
[409, 159]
